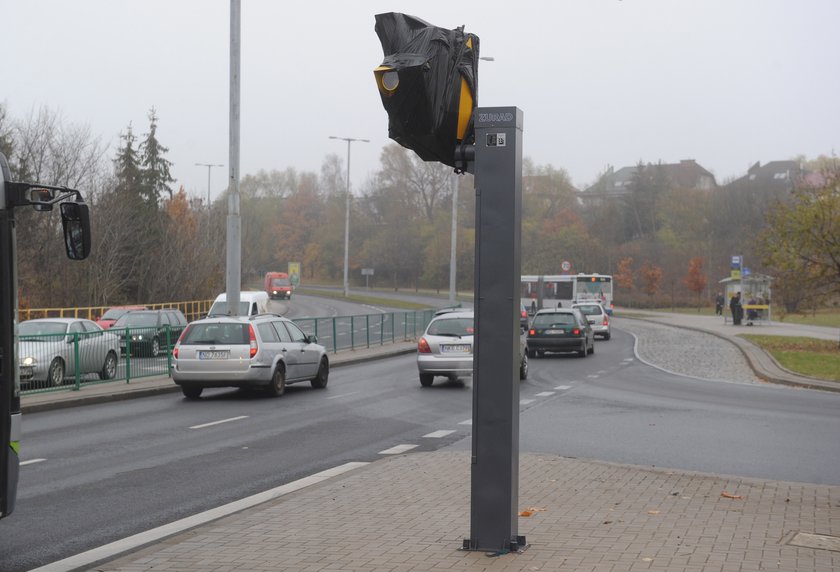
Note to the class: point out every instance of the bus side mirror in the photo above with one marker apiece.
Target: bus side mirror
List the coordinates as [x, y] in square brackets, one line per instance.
[75, 218]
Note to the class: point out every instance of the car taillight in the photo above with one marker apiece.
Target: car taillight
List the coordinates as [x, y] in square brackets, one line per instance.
[175, 352]
[423, 346]
[177, 349]
[532, 332]
[252, 340]
[524, 314]
[606, 322]
[576, 332]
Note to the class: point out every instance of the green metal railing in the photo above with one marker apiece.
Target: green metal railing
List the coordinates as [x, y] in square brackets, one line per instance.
[83, 357]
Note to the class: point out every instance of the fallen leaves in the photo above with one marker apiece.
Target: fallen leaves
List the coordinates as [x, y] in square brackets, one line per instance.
[531, 510]
[727, 495]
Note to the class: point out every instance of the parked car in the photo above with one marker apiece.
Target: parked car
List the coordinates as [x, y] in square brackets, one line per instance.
[265, 351]
[149, 331]
[560, 330]
[251, 303]
[47, 350]
[523, 316]
[597, 317]
[446, 348]
[111, 315]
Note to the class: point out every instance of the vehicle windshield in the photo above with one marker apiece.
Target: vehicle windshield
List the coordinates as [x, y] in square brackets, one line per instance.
[281, 282]
[452, 327]
[216, 334]
[552, 320]
[114, 313]
[589, 309]
[41, 328]
[137, 319]
[221, 309]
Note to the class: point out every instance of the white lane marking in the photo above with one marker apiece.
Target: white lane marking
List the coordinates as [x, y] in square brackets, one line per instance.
[602, 372]
[467, 422]
[563, 387]
[545, 394]
[629, 359]
[592, 376]
[31, 462]
[397, 450]
[132, 542]
[203, 425]
[438, 434]
[343, 395]
[526, 401]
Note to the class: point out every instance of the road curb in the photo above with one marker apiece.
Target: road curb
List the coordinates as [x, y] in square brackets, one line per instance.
[164, 383]
[754, 354]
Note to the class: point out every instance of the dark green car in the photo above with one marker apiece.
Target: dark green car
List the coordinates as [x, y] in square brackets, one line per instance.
[560, 330]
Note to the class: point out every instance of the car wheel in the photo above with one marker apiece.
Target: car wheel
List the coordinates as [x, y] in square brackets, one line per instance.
[523, 367]
[606, 336]
[583, 351]
[191, 391]
[155, 349]
[426, 379]
[55, 375]
[320, 380]
[277, 387]
[109, 368]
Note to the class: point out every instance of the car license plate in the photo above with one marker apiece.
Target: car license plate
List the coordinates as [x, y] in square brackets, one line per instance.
[455, 348]
[555, 331]
[218, 354]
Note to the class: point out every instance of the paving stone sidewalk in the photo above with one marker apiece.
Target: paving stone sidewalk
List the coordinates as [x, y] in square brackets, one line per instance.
[411, 513]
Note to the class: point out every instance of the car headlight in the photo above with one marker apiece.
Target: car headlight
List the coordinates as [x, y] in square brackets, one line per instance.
[28, 361]
[137, 338]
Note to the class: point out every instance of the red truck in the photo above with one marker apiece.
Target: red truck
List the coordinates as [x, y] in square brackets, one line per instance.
[277, 285]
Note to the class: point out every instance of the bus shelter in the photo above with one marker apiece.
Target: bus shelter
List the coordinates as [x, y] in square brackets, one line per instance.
[755, 292]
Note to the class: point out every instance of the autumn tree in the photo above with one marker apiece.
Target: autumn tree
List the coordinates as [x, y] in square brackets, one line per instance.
[802, 239]
[651, 275]
[624, 275]
[695, 279]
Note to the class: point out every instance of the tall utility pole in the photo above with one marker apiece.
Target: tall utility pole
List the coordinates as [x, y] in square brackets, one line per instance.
[234, 220]
[347, 213]
[453, 246]
[209, 168]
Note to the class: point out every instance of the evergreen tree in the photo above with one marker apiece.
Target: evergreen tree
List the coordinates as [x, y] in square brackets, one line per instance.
[155, 167]
[127, 164]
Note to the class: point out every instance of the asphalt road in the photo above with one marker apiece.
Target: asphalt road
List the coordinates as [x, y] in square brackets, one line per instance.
[103, 472]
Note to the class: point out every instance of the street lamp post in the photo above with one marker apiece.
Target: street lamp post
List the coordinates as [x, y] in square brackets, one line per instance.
[347, 212]
[453, 245]
[209, 168]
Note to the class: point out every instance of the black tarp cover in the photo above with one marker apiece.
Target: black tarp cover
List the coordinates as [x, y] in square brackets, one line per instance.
[424, 109]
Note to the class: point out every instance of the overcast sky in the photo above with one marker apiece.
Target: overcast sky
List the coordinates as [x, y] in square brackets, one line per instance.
[601, 82]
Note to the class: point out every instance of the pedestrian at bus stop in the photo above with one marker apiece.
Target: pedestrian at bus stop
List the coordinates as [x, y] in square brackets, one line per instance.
[736, 308]
[719, 302]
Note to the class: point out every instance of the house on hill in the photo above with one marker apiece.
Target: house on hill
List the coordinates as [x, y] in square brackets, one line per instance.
[687, 174]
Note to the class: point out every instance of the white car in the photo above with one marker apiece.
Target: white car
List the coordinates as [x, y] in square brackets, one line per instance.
[48, 352]
[446, 348]
[597, 317]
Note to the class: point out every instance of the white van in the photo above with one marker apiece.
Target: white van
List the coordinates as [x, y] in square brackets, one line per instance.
[250, 304]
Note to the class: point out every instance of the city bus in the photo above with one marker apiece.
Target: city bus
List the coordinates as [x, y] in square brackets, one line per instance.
[75, 220]
[563, 290]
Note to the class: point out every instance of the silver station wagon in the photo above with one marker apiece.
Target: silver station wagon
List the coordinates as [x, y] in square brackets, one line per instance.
[264, 351]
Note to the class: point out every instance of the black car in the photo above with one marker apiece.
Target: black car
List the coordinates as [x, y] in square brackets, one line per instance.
[149, 331]
[560, 330]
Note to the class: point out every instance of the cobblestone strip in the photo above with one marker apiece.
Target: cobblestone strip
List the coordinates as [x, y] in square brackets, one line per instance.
[688, 352]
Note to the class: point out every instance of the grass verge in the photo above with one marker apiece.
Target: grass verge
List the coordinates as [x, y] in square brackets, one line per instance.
[805, 356]
[372, 300]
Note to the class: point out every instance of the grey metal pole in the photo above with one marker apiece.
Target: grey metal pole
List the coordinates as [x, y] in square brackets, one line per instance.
[209, 168]
[347, 213]
[234, 221]
[494, 492]
[453, 246]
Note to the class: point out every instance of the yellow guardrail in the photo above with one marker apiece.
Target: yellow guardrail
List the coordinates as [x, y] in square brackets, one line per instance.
[192, 309]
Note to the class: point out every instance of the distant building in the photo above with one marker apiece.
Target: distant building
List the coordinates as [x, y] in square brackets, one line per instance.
[773, 178]
[687, 174]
